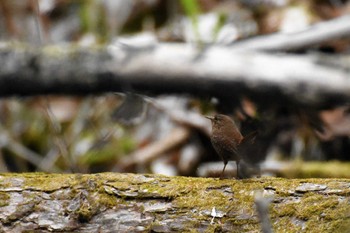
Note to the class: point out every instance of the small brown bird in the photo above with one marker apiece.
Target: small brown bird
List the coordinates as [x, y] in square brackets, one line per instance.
[227, 140]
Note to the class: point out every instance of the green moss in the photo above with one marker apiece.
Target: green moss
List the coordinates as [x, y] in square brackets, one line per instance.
[212, 228]
[201, 193]
[332, 169]
[342, 225]
[315, 205]
[290, 211]
[282, 210]
[284, 224]
[4, 199]
[47, 182]
[85, 212]
[317, 212]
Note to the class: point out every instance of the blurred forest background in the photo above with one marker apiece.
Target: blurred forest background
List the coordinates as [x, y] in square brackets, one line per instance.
[126, 132]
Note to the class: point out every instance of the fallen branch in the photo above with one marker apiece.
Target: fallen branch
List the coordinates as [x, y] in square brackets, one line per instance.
[175, 69]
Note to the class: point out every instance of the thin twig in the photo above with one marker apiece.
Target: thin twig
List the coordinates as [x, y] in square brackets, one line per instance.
[158, 148]
[23, 152]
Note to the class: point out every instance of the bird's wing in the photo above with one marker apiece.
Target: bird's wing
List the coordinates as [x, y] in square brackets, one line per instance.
[230, 147]
[246, 142]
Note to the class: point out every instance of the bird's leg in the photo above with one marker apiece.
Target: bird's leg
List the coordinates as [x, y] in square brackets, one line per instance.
[237, 171]
[223, 170]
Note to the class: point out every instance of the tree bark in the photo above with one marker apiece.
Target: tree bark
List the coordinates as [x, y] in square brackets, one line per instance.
[111, 202]
[308, 80]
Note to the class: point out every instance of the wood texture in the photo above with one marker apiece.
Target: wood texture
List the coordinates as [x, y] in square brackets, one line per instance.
[308, 80]
[111, 202]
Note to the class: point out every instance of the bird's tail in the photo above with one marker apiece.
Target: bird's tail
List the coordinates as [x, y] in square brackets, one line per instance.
[249, 139]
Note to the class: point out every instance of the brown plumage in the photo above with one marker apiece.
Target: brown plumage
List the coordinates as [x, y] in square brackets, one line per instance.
[227, 139]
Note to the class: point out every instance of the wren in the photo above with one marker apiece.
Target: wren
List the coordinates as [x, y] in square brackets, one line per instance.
[227, 140]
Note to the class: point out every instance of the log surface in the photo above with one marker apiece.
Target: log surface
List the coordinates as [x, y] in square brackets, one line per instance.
[112, 202]
[316, 80]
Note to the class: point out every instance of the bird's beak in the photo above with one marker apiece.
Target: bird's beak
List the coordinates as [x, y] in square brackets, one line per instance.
[209, 117]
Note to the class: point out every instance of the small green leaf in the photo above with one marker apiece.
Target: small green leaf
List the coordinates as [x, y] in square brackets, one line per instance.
[192, 10]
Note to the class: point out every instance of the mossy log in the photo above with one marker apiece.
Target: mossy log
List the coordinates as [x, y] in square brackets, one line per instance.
[112, 202]
[303, 169]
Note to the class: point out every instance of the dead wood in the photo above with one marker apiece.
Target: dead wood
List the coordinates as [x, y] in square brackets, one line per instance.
[308, 80]
[111, 202]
